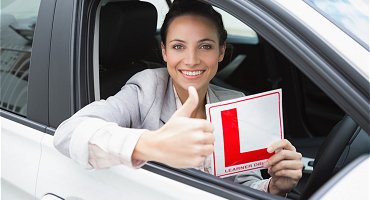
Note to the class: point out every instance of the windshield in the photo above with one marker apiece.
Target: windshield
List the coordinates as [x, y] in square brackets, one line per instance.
[352, 16]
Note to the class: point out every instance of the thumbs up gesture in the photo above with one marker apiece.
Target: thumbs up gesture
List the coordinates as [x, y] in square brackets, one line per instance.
[183, 142]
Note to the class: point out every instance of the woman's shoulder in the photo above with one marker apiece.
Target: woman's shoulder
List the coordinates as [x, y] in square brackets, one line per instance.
[149, 76]
[149, 83]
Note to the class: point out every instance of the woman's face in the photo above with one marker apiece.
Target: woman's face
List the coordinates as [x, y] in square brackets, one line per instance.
[192, 52]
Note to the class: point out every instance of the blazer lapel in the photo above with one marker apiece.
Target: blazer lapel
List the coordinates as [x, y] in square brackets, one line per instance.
[169, 103]
[213, 98]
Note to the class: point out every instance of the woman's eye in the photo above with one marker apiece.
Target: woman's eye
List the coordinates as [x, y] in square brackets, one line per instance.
[177, 46]
[206, 46]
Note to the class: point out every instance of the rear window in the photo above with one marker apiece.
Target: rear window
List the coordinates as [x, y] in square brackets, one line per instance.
[18, 21]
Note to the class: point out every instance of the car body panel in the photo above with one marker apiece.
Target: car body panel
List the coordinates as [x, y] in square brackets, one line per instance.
[347, 183]
[74, 182]
[20, 156]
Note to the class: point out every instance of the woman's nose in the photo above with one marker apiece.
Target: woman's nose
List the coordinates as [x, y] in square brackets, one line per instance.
[192, 58]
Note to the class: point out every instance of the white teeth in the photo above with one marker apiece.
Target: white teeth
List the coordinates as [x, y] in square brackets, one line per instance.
[192, 73]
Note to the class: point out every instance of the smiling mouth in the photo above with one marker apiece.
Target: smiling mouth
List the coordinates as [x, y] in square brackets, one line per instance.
[192, 73]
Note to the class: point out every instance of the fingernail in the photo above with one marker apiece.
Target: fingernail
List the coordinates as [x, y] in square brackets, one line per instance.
[269, 150]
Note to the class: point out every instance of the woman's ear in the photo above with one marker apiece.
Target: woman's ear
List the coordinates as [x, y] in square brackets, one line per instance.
[222, 52]
[163, 48]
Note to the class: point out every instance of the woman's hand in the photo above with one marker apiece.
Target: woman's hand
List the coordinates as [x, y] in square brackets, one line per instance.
[285, 167]
[183, 142]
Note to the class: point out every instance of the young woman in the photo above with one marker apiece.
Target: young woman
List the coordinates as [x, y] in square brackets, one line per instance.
[159, 115]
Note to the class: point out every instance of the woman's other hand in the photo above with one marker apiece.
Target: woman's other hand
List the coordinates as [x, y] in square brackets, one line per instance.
[285, 167]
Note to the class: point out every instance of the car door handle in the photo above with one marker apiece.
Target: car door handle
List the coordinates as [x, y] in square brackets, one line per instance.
[50, 196]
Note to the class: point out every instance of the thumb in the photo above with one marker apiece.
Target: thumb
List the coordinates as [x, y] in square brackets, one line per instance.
[190, 104]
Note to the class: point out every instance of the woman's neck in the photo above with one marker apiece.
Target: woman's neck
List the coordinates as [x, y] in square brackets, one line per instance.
[199, 111]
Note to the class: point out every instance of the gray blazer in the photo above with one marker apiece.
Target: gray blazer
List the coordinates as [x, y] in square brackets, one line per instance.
[147, 101]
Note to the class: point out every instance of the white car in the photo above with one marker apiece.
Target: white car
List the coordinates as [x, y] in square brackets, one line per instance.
[59, 55]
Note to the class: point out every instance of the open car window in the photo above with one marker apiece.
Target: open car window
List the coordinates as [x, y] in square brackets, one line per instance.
[253, 65]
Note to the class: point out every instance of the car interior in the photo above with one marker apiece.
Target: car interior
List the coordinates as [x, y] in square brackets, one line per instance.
[129, 42]
[121, 56]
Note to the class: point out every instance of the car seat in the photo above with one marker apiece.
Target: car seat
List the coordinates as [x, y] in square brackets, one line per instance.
[127, 42]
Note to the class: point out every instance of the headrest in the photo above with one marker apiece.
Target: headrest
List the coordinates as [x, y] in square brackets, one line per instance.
[127, 32]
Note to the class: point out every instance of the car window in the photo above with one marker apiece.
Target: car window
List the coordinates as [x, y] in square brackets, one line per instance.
[18, 20]
[352, 16]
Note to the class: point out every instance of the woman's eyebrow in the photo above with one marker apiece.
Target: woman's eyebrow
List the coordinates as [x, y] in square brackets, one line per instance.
[200, 41]
[206, 40]
[177, 40]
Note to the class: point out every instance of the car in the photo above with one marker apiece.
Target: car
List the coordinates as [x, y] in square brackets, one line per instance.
[59, 55]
